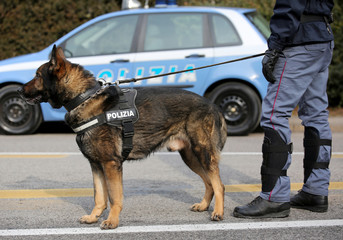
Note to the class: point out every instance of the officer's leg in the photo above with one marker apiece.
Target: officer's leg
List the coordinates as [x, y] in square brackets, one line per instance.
[317, 142]
[313, 195]
[293, 77]
[276, 108]
[282, 97]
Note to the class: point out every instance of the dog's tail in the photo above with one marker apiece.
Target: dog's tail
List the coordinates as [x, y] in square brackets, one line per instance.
[220, 127]
[222, 134]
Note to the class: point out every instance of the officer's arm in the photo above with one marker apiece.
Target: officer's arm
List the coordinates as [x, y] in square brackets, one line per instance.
[283, 25]
[285, 22]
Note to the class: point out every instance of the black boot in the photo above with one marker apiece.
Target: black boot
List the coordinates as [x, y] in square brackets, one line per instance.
[260, 208]
[314, 203]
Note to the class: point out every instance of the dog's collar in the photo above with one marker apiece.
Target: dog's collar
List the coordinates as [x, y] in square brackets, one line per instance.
[82, 97]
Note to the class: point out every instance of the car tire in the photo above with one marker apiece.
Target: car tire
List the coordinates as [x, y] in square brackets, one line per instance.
[17, 117]
[240, 105]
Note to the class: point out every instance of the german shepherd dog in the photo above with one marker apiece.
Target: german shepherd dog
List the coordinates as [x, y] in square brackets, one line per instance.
[177, 119]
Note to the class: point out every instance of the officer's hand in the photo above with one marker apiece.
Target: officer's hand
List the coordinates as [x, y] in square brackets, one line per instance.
[268, 63]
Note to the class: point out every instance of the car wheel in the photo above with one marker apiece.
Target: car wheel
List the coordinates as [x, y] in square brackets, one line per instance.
[17, 117]
[240, 105]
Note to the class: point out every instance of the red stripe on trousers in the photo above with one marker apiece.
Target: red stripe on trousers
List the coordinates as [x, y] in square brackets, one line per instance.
[283, 70]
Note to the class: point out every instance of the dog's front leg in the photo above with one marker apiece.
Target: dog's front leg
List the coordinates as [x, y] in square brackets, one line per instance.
[114, 180]
[100, 195]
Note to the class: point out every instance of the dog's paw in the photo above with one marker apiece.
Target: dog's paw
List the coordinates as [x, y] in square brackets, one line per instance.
[88, 219]
[217, 216]
[109, 224]
[199, 207]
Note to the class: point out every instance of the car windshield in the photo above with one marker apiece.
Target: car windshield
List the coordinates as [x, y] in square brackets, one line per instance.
[111, 36]
[260, 23]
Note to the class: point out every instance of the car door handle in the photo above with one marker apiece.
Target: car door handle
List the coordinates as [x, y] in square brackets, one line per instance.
[196, 55]
[120, 60]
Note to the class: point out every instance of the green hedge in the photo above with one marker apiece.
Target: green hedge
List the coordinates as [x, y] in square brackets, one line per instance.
[335, 85]
[28, 26]
[31, 25]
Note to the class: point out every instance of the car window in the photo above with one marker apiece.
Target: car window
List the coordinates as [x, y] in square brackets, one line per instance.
[110, 36]
[224, 32]
[260, 23]
[169, 31]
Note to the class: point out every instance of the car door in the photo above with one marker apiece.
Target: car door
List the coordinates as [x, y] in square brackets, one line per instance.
[172, 42]
[106, 48]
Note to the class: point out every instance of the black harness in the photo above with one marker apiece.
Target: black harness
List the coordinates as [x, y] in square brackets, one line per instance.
[123, 115]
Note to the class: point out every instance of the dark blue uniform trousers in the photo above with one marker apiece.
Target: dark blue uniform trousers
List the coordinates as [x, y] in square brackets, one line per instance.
[302, 74]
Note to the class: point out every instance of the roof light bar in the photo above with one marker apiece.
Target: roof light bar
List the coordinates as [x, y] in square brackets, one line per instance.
[165, 3]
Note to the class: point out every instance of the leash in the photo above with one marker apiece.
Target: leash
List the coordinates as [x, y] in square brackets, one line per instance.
[187, 70]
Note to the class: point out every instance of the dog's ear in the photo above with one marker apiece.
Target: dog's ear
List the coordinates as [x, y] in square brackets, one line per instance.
[57, 62]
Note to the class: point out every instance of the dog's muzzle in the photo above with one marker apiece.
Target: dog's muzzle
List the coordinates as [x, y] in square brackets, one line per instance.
[28, 100]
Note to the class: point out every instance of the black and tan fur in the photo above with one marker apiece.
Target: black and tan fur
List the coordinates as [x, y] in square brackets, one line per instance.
[172, 118]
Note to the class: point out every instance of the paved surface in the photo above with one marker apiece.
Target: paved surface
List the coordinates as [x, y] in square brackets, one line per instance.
[53, 184]
[336, 124]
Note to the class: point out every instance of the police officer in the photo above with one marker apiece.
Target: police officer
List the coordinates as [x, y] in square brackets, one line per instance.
[296, 65]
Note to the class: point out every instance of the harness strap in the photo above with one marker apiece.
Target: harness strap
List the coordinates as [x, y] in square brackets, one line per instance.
[128, 128]
[123, 102]
[90, 124]
[81, 98]
[127, 135]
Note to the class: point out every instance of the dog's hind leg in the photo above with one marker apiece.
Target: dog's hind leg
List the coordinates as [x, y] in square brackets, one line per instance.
[192, 162]
[209, 161]
[218, 188]
[114, 181]
[100, 195]
[206, 138]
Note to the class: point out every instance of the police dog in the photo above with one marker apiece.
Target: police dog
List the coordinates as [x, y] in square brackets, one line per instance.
[177, 119]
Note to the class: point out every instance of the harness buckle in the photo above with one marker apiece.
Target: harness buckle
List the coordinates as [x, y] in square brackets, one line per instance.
[103, 82]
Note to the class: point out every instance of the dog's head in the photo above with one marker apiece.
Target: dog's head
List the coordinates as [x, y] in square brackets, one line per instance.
[55, 82]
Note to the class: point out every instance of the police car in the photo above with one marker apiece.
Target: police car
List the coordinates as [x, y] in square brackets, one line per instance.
[141, 42]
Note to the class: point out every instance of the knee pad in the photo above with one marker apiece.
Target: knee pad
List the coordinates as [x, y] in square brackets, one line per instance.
[275, 154]
[312, 144]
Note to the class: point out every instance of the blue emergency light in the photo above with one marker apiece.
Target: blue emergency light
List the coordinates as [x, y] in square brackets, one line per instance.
[165, 3]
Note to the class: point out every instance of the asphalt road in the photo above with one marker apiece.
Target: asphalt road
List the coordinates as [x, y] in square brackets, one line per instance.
[46, 185]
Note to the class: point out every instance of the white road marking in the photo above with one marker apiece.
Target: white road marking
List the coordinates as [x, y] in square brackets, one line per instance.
[174, 228]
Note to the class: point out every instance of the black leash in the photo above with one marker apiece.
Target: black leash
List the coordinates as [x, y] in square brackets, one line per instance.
[188, 70]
